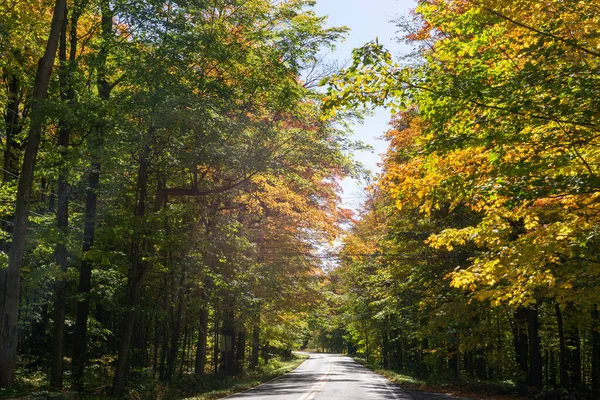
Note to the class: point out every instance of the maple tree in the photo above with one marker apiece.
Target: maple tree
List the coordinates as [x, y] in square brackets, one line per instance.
[498, 118]
[177, 171]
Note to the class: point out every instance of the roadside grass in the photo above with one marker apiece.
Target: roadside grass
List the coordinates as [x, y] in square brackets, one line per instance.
[466, 389]
[247, 381]
[144, 387]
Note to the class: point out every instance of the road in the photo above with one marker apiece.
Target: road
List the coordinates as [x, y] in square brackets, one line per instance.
[331, 376]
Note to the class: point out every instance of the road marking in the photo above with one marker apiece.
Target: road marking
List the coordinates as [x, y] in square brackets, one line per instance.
[386, 382]
[387, 386]
[311, 395]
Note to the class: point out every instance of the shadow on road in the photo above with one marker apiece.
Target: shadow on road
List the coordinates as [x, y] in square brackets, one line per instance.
[347, 380]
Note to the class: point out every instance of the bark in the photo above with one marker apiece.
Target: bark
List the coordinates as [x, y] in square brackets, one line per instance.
[535, 354]
[216, 342]
[399, 352]
[562, 355]
[240, 350]
[385, 348]
[574, 357]
[89, 224]
[228, 332]
[137, 272]
[12, 121]
[552, 369]
[520, 340]
[12, 292]
[11, 158]
[202, 338]
[177, 327]
[67, 94]
[255, 344]
[156, 346]
[184, 353]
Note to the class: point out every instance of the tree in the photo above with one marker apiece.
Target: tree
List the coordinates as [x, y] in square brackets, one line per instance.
[10, 304]
[502, 132]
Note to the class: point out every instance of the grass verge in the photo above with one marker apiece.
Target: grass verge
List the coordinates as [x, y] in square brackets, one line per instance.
[239, 384]
[470, 390]
[143, 386]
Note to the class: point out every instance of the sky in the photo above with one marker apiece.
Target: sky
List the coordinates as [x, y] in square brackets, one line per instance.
[367, 20]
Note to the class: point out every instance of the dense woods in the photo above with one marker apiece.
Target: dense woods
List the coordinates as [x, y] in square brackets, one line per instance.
[166, 177]
[476, 256]
[171, 187]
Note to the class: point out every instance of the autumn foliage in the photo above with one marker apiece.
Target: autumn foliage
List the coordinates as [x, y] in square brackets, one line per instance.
[490, 190]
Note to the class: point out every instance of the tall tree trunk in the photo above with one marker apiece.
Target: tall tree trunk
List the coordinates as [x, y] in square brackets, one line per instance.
[137, 272]
[562, 355]
[67, 94]
[156, 346]
[552, 370]
[255, 343]
[228, 336]
[12, 122]
[11, 168]
[385, 348]
[535, 354]
[177, 326]
[240, 350]
[573, 342]
[216, 341]
[202, 337]
[164, 333]
[184, 354]
[89, 224]
[12, 292]
[520, 340]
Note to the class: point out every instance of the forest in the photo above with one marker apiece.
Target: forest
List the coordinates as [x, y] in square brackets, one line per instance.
[476, 256]
[171, 214]
[166, 178]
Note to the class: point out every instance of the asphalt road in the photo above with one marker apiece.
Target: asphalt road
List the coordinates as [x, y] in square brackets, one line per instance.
[331, 376]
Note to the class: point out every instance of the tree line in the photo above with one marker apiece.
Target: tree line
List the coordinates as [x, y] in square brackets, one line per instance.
[476, 254]
[166, 178]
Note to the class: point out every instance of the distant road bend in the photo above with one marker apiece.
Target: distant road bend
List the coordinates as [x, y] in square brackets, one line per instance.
[332, 376]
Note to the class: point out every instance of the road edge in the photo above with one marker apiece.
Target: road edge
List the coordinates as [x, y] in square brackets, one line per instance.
[267, 381]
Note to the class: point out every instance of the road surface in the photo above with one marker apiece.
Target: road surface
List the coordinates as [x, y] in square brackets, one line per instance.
[332, 376]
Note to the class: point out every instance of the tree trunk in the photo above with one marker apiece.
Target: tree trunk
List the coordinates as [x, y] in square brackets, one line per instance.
[574, 357]
[11, 169]
[12, 122]
[12, 292]
[552, 370]
[165, 331]
[385, 348]
[562, 355]
[216, 342]
[89, 223]
[184, 353]
[520, 340]
[202, 338]
[228, 337]
[535, 355]
[241, 350]
[255, 344]
[85, 278]
[177, 328]
[137, 272]
[156, 346]
[67, 94]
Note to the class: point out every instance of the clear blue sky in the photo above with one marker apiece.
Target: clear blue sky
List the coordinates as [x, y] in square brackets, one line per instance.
[367, 20]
